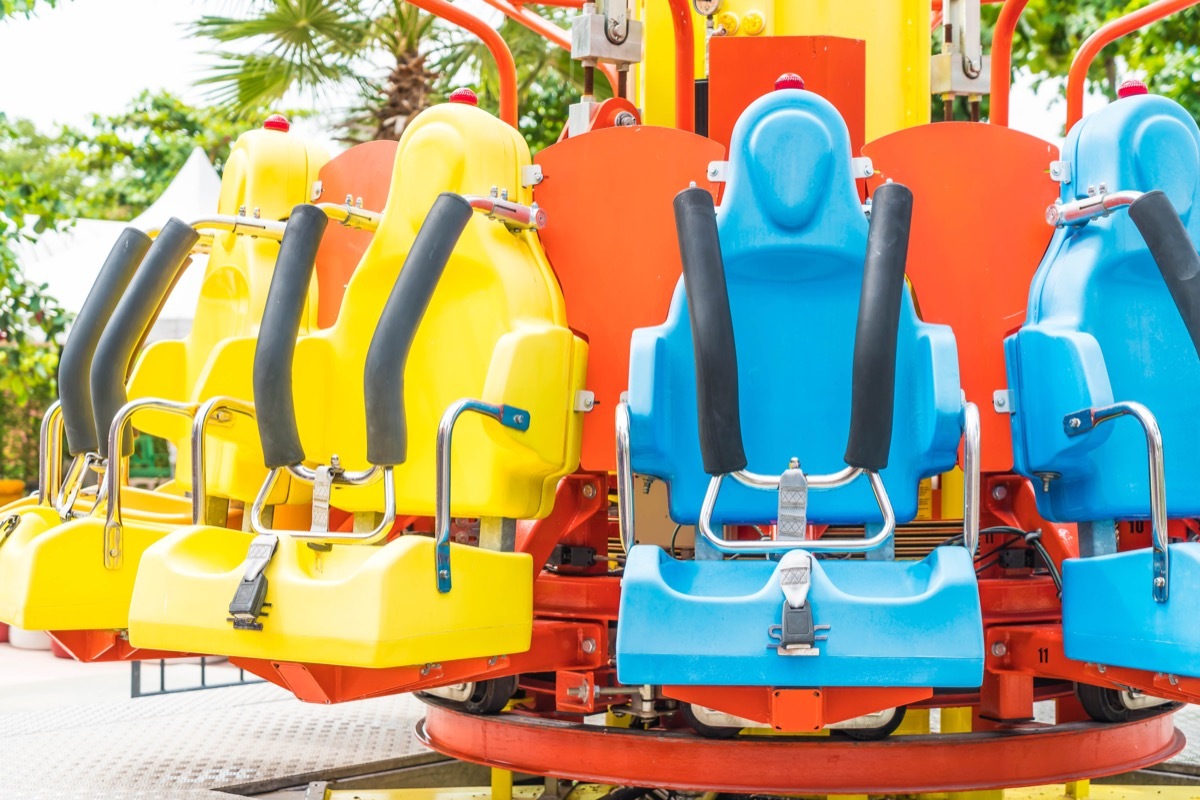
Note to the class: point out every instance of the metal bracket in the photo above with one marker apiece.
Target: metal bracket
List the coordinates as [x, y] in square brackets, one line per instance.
[250, 598]
[616, 13]
[531, 175]
[317, 190]
[717, 171]
[1060, 171]
[584, 400]
[862, 168]
[1002, 401]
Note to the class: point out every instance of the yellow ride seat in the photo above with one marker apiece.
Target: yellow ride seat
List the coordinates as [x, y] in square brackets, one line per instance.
[495, 329]
[54, 575]
[267, 174]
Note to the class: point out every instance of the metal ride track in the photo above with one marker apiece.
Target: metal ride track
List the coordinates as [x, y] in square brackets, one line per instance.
[1028, 756]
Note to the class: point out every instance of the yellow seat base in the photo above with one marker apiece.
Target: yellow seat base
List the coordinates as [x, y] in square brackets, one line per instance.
[355, 605]
[52, 574]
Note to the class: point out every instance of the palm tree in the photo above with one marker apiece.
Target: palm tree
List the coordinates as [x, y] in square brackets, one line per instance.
[321, 44]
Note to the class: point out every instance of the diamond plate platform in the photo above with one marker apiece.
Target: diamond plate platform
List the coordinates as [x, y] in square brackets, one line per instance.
[240, 740]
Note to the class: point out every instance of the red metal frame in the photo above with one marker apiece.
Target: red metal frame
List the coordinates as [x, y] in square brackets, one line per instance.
[1106, 35]
[495, 45]
[1002, 41]
[1037, 650]
[516, 11]
[1025, 756]
[92, 647]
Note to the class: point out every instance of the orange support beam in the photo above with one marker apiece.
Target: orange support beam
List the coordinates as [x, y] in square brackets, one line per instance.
[1106, 35]
[495, 45]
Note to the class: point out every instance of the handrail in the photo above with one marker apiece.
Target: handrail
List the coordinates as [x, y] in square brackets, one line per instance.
[495, 45]
[1106, 35]
[1002, 43]
[548, 30]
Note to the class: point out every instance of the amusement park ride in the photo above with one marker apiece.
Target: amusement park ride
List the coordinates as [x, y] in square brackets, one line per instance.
[806, 448]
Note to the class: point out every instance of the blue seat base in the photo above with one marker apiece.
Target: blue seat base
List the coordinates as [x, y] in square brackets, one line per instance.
[1110, 615]
[892, 623]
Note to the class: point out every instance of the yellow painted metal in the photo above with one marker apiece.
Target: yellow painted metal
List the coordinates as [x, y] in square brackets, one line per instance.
[462, 793]
[268, 173]
[502, 784]
[495, 329]
[896, 33]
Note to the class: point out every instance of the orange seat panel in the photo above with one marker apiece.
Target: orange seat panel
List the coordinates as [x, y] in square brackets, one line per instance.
[365, 171]
[978, 234]
[611, 240]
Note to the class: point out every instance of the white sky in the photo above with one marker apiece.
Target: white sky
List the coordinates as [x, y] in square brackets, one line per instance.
[95, 55]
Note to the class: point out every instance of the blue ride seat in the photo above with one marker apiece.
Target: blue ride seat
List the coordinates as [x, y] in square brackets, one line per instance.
[793, 238]
[1103, 327]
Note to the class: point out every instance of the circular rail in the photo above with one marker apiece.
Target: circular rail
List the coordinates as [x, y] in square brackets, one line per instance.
[1028, 756]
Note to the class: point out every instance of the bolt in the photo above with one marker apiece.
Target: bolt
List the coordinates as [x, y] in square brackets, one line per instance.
[867, 171]
[114, 552]
[999, 649]
[1056, 171]
[1001, 401]
[999, 492]
[1160, 582]
[494, 192]
[504, 194]
[624, 119]
[1174, 679]
[257, 212]
[589, 645]
[349, 199]
[712, 172]
[358, 201]
[589, 491]
[1074, 422]
[1101, 669]
[443, 573]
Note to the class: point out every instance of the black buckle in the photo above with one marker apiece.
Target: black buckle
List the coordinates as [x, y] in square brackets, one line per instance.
[250, 598]
[797, 635]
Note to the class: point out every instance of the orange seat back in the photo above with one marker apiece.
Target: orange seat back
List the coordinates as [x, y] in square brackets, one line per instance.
[978, 234]
[611, 239]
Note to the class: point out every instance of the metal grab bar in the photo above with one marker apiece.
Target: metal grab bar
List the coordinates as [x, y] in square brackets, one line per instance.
[236, 224]
[625, 514]
[971, 504]
[359, 219]
[1085, 210]
[816, 545]
[364, 478]
[971, 489]
[514, 215]
[508, 416]
[50, 454]
[72, 485]
[1084, 421]
[210, 410]
[114, 545]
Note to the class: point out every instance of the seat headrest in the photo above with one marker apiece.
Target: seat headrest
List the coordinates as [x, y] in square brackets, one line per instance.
[789, 175]
[452, 148]
[271, 171]
[1139, 143]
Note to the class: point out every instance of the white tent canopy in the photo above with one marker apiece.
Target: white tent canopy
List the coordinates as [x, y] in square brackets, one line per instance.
[69, 261]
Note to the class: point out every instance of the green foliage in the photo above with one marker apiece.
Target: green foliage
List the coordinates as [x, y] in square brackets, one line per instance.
[1164, 53]
[117, 165]
[10, 8]
[1050, 32]
[28, 386]
[276, 46]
